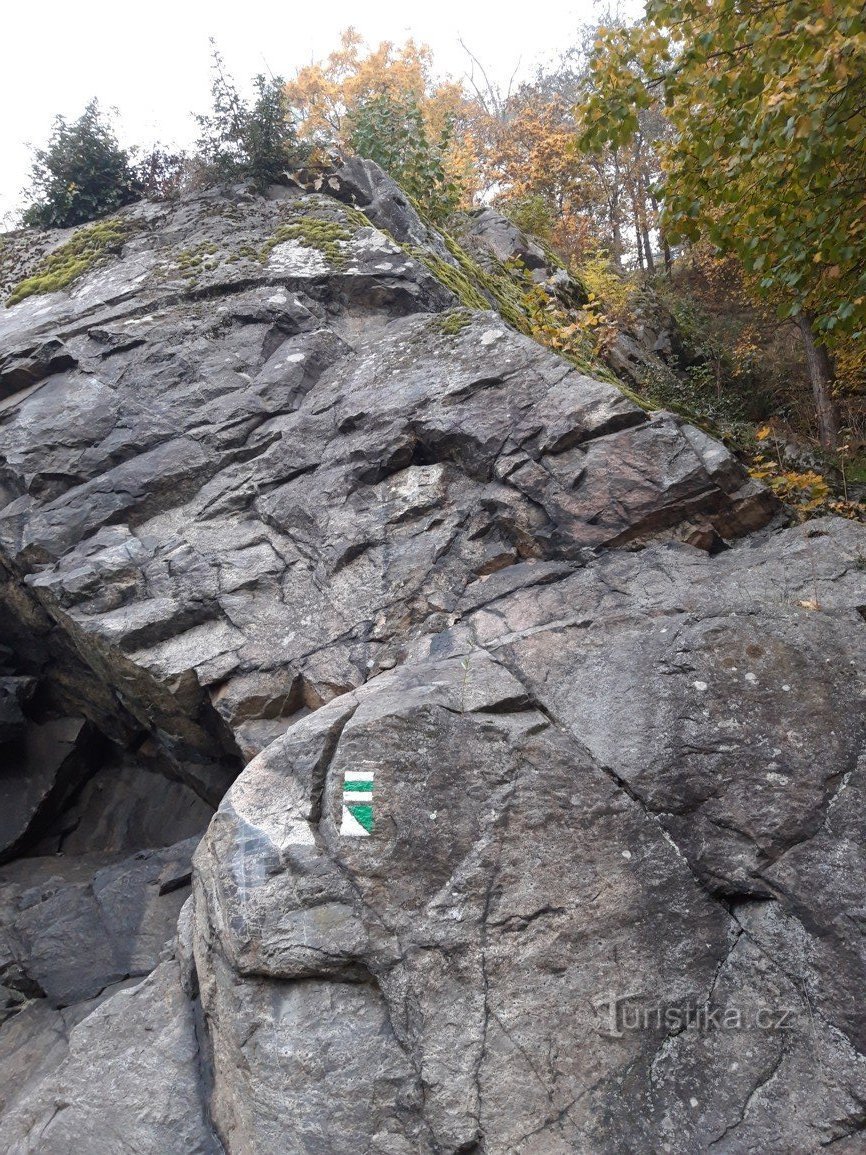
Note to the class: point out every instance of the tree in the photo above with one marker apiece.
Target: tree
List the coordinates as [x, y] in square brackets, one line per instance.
[768, 153]
[254, 140]
[389, 82]
[82, 174]
[391, 131]
[525, 143]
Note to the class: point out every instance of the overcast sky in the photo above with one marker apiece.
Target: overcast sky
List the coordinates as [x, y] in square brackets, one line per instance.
[150, 59]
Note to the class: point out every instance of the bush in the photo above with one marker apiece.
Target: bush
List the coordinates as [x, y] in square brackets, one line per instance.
[161, 173]
[81, 175]
[533, 214]
[390, 130]
[241, 140]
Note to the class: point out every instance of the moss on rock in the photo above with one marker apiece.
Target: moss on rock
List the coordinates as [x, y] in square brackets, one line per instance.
[312, 232]
[452, 322]
[89, 247]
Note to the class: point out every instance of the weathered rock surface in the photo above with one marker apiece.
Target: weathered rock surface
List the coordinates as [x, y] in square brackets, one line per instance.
[552, 770]
[128, 1081]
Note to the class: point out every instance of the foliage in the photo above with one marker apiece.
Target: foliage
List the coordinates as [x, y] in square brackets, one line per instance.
[532, 213]
[161, 174]
[82, 174]
[528, 154]
[88, 248]
[611, 295]
[770, 161]
[809, 492]
[327, 93]
[390, 130]
[239, 139]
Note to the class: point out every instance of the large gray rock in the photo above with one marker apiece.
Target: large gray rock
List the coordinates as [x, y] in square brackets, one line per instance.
[73, 925]
[598, 909]
[268, 494]
[261, 475]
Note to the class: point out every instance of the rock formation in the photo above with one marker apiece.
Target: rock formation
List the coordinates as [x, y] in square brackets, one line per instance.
[533, 732]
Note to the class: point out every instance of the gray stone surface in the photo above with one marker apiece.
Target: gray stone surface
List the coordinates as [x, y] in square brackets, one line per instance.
[265, 499]
[602, 787]
[261, 474]
[35, 780]
[73, 925]
[128, 1082]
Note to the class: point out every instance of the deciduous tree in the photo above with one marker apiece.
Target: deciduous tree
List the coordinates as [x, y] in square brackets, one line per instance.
[768, 153]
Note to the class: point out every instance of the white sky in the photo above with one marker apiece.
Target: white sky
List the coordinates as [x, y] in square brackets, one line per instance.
[151, 59]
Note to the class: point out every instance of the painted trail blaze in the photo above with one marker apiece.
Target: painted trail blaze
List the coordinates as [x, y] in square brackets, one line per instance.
[357, 803]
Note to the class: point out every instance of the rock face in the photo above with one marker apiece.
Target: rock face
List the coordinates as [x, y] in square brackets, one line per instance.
[549, 837]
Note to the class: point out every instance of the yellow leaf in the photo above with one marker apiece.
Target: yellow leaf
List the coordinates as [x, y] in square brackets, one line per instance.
[763, 433]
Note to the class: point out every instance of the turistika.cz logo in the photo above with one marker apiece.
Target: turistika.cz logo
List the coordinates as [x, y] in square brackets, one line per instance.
[620, 1014]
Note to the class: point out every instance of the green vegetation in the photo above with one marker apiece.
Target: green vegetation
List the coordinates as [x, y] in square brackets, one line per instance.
[511, 292]
[241, 140]
[768, 164]
[390, 130]
[88, 248]
[327, 237]
[82, 174]
[732, 227]
[453, 322]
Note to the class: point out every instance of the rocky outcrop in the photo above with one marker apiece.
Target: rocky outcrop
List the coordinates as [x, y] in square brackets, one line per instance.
[550, 742]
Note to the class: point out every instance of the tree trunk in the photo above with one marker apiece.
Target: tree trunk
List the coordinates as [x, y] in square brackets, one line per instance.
[650, 263]
[644, 226]
[666, 252]
[666, 249]
[615, 224]
[821, 376]
[637, 233]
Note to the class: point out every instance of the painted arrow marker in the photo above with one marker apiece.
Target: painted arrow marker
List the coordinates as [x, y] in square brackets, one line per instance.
[357, 804]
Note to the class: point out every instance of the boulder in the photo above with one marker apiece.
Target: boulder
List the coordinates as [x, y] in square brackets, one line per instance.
[595, 873]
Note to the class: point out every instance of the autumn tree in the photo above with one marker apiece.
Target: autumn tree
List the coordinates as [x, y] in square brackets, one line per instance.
[328, 97]
[768, 153]
[534, 174]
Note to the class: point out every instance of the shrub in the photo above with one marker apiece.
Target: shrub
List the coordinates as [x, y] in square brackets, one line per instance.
[390, 130]
[82, 174]
[533, 214]
[161, 173]
[242, 140]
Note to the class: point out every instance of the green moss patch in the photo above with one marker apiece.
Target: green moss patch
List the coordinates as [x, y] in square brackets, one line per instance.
[510, 291]
[90, 247]
[313, 233]
[452, 322]
[198, 259]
